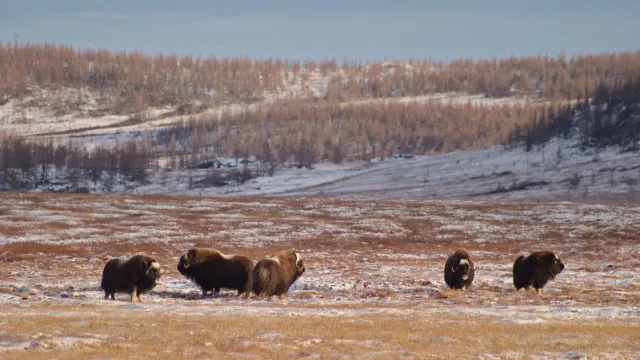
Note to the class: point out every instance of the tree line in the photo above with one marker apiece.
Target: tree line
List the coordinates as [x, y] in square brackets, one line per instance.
[27, 165]
[132, 81]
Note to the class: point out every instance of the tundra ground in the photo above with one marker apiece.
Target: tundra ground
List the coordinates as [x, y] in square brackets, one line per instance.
[373, 288]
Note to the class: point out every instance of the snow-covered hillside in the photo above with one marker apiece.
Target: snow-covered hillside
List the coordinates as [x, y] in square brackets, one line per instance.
[557, 171]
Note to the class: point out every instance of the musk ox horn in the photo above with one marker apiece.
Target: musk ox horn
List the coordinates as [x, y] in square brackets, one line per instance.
[453, 269]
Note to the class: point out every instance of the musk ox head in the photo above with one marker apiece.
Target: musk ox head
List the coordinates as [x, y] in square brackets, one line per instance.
[549, 262]
[459, 270]
[186, 260]
[153, 269]
[463, 268]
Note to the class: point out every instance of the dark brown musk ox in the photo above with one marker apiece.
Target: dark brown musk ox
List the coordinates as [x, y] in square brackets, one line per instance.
[211, 270]
[275, 274]
[459, 270]
[135, 276]
[536, 270]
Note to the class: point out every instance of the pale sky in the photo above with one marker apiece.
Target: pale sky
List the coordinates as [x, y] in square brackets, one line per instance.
[356, 29]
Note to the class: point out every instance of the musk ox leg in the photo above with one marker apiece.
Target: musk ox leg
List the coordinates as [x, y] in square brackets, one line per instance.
[113, 296]
[106, 295]
[539, 291]
[216, 292]
[134, 292]
[139, 297]
[282, 296]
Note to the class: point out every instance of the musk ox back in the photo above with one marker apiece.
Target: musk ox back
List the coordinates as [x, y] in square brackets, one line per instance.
[459, 270]
[536, 270]
[212, 270]
[274, 275]
[135, 276]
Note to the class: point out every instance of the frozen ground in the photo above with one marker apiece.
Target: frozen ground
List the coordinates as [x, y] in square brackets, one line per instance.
[368, 262]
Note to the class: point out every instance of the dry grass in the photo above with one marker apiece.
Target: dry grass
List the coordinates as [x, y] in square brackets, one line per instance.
[128, 333]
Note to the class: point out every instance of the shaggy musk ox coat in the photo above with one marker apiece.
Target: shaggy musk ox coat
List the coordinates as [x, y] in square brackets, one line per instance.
[274, 275]
[459, 270]
[212, 270]
[536, 270]
[135, 276]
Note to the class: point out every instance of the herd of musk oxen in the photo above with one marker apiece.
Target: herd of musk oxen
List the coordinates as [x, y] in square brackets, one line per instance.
[212, 270]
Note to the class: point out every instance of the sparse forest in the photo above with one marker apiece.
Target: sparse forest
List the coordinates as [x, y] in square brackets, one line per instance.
[610, 117]
[305, 133]
[351, 115]
[132, 81]
[25, 165]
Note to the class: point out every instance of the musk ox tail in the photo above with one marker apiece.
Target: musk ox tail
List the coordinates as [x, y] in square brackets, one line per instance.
[520, 277]
[265, 278]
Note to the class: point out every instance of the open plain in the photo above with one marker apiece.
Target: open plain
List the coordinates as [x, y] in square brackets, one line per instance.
[373, 287]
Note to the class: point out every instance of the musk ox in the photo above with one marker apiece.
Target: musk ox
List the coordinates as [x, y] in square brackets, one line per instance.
[459, 270]
[536, 270]
[275, 274]
[212, 270]
[135, 276]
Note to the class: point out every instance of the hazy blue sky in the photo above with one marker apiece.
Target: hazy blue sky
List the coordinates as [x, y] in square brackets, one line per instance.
[357, 29]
